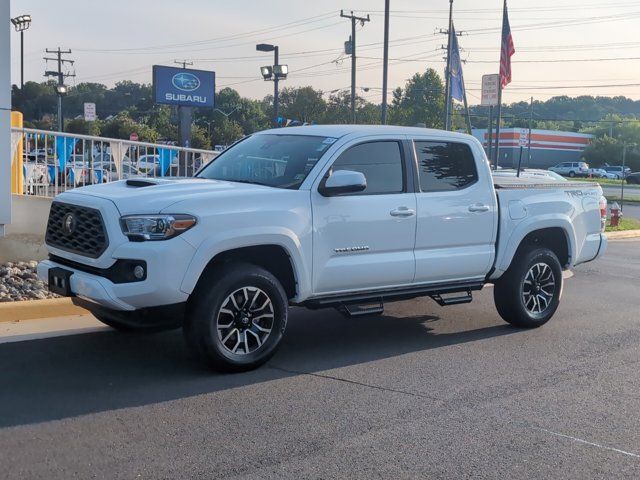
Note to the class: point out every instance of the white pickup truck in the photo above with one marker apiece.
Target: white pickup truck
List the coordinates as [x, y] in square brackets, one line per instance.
[317, 216]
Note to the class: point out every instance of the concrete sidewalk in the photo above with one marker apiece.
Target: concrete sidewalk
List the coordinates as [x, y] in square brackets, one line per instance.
[20, 331]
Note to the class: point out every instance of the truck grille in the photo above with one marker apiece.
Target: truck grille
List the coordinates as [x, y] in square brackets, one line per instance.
[76, 229]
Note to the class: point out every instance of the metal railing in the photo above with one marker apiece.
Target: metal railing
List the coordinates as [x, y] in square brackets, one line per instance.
[54, 162]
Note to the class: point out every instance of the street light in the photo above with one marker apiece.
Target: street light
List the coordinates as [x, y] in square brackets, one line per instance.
[61, 91]
[21, 23]
[275, 73]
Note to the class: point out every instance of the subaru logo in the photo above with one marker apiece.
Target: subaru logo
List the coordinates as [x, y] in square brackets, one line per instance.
[187, 82]
[68, 224]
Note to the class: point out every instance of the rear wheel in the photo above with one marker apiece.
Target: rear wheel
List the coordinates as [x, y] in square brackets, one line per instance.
[572, 174]
[528, 294]
[236, 317]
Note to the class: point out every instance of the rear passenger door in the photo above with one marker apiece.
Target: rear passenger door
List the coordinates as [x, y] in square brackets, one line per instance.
[365, 240]
[456, 227]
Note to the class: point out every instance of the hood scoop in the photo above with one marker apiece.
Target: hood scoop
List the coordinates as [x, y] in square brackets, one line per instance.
[141, 182]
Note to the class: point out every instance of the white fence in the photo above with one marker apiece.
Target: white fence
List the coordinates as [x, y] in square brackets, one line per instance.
[54, 162]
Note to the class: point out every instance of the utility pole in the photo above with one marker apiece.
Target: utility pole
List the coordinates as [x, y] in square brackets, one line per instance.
[61, 88]
[184, 63]
[385, 61]
[447, 88]
[362, 21]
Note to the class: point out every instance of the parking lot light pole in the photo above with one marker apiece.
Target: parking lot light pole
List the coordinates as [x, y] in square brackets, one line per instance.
[265, 47]
[21, 23]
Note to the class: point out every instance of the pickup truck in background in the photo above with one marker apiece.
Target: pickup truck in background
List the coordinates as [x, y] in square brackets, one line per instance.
[318, 216]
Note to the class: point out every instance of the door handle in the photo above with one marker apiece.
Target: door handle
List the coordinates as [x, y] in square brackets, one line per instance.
[478, 207]
[402, 212]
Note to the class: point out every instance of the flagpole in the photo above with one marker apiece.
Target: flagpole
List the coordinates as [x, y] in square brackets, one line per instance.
[499, 115]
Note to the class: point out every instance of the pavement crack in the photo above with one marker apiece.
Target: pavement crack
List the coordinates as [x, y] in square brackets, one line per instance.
[354, 382]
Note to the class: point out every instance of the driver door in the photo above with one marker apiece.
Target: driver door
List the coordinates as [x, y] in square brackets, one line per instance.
[365, 240]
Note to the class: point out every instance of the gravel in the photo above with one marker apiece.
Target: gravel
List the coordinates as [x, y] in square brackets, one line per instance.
[19, 281]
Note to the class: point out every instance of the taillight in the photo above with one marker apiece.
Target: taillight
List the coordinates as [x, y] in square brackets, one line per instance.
[603, 213]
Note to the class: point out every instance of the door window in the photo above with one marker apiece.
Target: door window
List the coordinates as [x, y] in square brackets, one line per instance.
[445, 166]
[381, 164]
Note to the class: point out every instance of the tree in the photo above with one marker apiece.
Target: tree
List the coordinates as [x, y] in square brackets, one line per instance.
[304, 104]
[81, 126]
[200, 138]
[421, 101]
[122, 126]
[227, 132]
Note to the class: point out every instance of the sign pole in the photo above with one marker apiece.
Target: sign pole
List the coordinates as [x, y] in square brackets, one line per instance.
[490, 133]
[529, 141]
[497, 153]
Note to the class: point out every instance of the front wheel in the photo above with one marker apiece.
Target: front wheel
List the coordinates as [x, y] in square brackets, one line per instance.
[528, 294]
[236, 318]
[572, 174]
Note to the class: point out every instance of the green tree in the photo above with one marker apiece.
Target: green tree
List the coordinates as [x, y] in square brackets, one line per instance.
[227, 132]
[81, 126]
[420, 101]
[304, 104]
[122, 126]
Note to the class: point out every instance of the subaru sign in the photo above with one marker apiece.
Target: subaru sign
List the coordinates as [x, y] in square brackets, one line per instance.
[187, 88]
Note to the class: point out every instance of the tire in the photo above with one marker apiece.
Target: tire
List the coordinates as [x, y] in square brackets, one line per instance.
[515, 292]
[223, 326]
[572, 174]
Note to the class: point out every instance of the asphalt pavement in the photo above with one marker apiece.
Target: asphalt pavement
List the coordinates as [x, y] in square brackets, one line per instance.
[419, 392]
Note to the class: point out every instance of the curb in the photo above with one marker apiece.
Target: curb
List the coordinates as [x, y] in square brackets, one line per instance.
[32, 309]
[623, 234]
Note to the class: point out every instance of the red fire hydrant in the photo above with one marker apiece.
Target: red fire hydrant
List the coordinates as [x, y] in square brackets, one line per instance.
[616, 215]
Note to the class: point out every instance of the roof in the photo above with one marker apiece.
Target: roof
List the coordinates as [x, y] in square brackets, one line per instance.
[363, 130]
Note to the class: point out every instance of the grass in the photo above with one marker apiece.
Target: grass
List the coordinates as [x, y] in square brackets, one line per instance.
[635, 199]
[602, 181]
[625, 224]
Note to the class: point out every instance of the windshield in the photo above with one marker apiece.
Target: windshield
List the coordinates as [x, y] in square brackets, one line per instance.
[281, 161]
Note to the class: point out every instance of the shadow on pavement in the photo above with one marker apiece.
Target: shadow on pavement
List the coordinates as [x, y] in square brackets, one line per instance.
[61, 377]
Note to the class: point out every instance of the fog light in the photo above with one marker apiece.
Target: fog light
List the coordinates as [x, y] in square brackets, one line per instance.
[138, 272]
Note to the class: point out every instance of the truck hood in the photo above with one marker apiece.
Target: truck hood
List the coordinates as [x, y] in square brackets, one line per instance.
[153, 195]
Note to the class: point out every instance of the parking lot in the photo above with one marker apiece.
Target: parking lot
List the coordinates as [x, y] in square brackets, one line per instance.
[420, 392]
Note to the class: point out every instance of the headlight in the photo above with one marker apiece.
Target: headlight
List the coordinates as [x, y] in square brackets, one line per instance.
[155, 227]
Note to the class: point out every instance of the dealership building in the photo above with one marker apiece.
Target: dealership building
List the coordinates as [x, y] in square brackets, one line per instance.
[548, 147]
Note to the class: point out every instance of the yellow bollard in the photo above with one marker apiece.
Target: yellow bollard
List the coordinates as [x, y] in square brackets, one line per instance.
[17, 172]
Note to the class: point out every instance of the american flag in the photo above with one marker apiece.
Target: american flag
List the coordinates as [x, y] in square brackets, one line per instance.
[507, 49]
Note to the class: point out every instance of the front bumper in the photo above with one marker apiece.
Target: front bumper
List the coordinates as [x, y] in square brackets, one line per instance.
[167, 262]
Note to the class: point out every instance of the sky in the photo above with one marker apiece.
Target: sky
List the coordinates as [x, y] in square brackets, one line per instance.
[563, 47]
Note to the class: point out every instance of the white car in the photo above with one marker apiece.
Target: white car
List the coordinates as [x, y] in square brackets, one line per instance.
[325, 216]
[571, 169]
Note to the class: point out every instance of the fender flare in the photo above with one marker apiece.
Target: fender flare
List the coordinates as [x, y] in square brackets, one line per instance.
[539, 222]
[249, 237]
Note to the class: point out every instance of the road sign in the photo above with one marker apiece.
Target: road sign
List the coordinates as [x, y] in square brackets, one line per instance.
[90, 112]
[183, 87]
[524, 137]
[490, 87]
[133, 137]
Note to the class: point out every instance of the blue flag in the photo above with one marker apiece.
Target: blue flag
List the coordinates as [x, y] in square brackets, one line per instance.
[456, 81]
[64, 149]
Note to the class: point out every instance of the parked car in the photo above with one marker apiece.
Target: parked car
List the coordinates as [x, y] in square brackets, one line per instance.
[333, 216]
[109, 172]
[571, 169]
[597, 173]
[529, 173]
[39, 154]
[633, 178]
[617, 170]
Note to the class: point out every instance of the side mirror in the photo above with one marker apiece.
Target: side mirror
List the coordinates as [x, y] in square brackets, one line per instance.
[343, 181]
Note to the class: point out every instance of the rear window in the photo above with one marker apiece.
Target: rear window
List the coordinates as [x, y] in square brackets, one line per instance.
[445, 166]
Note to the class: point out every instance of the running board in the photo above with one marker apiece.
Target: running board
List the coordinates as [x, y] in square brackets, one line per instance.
[361, 309]
[375, 296]
[443, 301]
